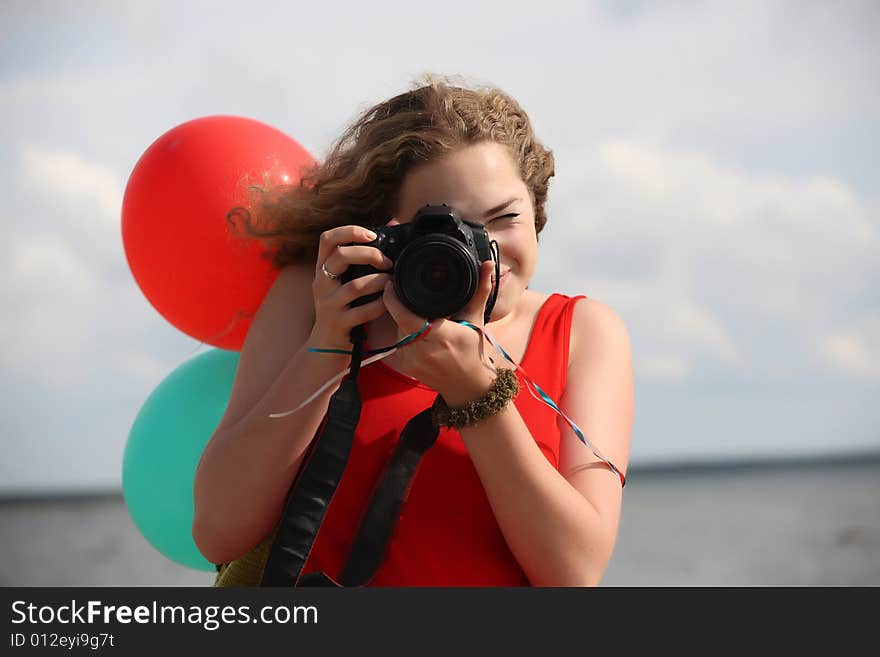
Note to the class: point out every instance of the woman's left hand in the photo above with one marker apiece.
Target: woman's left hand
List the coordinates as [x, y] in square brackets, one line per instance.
[453, 359]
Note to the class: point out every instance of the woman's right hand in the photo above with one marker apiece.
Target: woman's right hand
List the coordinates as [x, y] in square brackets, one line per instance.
[334, 319]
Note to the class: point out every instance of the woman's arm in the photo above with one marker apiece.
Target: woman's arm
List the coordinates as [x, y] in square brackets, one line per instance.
[561, 525]
[246, 470]
[248, 465]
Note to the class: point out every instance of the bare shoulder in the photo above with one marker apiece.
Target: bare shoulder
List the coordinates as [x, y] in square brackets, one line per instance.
[595, 326]
[280, 327]
[289, 299]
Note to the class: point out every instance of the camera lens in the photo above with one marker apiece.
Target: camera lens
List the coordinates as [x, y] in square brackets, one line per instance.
[435, 276]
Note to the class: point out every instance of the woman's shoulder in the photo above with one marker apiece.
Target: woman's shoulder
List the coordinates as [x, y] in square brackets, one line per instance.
[594, 323]
[591, 319]
[534, 301]
[297, 274]
[585, 307]
[278, 329]
[289, 295]
[591, 312]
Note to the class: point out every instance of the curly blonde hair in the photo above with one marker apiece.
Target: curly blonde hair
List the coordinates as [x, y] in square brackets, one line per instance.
[359, 181]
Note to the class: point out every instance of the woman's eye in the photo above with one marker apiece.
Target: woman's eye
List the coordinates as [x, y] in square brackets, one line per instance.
[512, 214]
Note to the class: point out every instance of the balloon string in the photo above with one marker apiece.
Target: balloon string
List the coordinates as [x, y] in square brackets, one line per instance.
[239, 315]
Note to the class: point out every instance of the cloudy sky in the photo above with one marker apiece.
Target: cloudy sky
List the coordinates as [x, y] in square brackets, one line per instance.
[718, 185]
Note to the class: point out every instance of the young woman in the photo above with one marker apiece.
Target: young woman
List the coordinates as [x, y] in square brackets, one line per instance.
[514, 498]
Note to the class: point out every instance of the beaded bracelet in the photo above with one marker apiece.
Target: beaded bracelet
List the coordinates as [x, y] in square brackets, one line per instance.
[504, 388]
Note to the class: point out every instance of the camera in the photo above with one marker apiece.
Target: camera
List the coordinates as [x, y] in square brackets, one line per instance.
[437, 257]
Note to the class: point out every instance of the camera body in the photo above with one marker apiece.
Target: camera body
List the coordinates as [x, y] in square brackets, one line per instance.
[436, 259]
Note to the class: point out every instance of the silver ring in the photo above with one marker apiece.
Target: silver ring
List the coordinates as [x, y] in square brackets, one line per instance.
[329, 274]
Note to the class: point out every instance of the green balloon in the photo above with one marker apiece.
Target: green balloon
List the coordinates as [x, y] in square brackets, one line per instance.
[164, 446]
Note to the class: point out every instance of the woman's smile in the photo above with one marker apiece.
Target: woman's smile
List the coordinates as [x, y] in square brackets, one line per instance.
[502, 278]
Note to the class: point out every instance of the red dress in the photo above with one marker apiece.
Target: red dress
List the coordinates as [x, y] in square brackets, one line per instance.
[447, 534]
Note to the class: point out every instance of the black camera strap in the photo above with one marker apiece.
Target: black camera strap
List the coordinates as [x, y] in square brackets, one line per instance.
[313, 491]
[383, 511]
[493, 296]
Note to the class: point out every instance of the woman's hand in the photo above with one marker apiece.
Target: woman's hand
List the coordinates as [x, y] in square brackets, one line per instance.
[452, 358]
[333, 317]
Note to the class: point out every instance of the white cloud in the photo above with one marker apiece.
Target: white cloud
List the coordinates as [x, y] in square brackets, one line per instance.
[62, 300]
[662, 368]
[675, 239]
[76, 320]
[690, 189]
[51, 265]
[698, 326]
[51, 289]
[855, 351]
[69, 174]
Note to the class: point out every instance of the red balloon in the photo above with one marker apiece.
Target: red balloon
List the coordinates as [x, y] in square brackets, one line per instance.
[202, 276]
